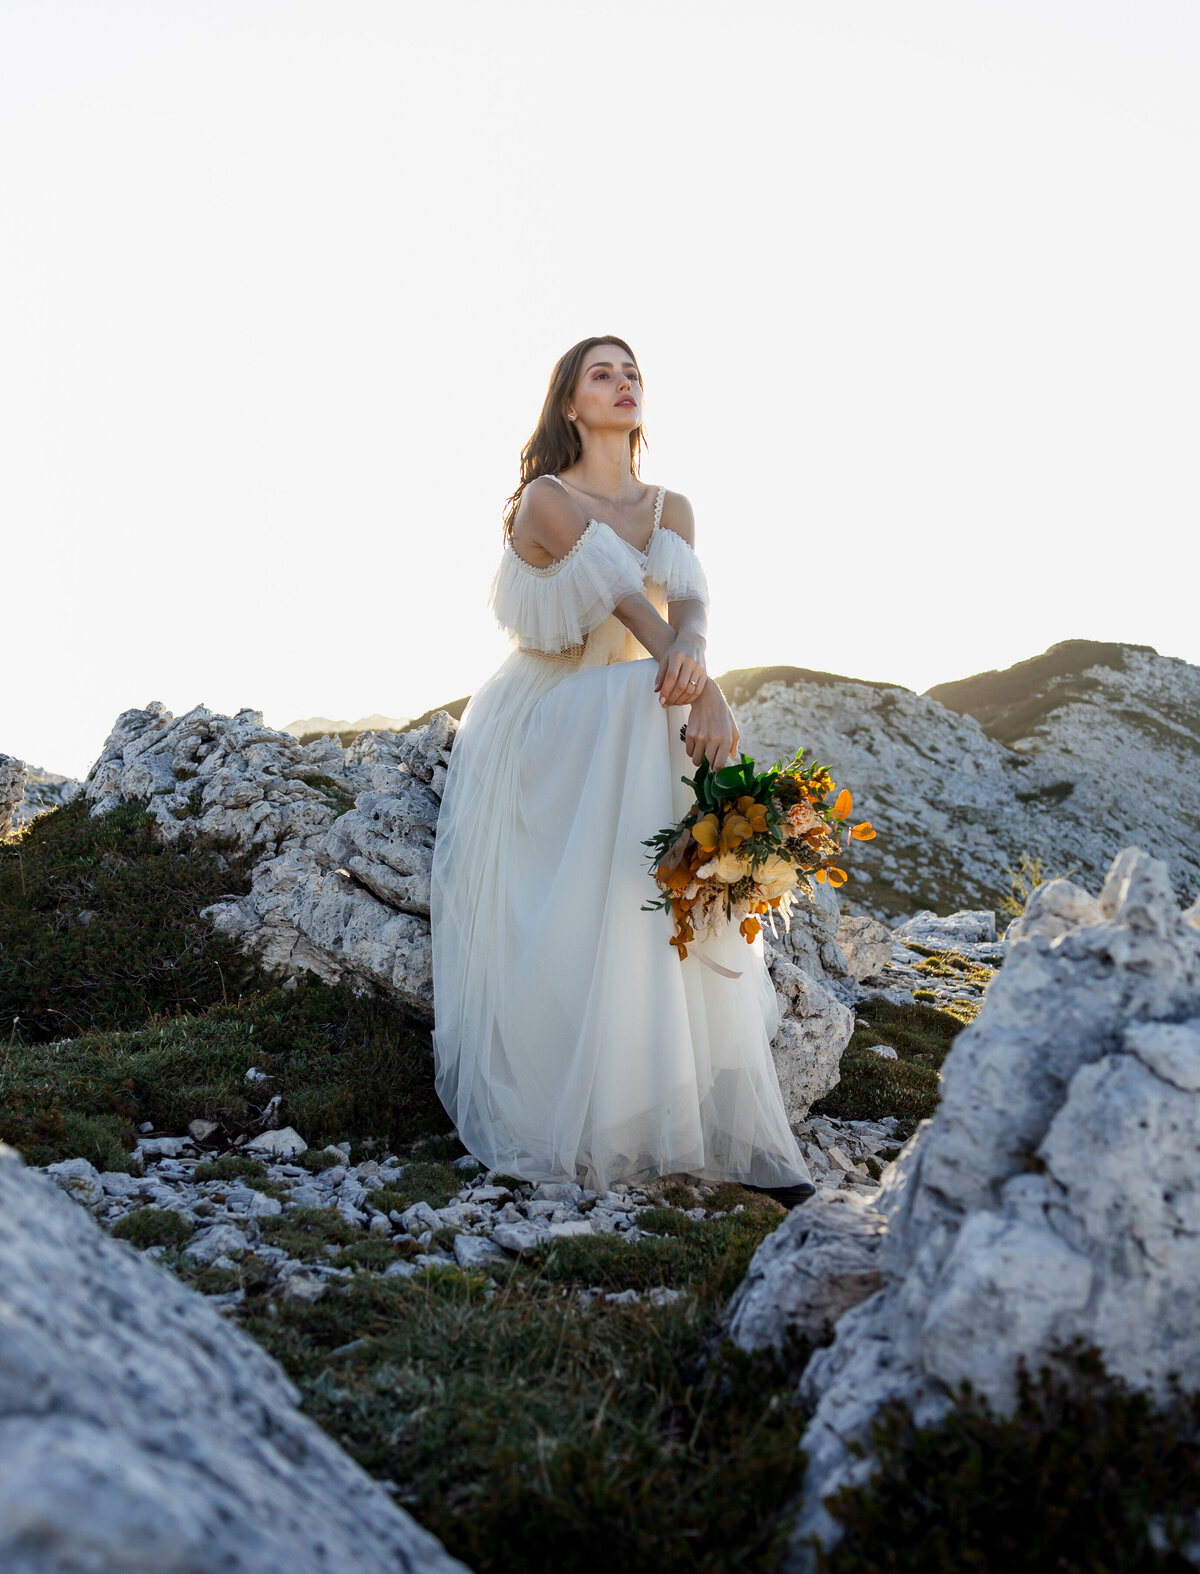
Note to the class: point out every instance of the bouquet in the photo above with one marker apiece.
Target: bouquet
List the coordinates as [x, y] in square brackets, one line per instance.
[743, 848]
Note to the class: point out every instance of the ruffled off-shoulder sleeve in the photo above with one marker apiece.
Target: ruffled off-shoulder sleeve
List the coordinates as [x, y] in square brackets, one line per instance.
[552, 608]
[673, 564]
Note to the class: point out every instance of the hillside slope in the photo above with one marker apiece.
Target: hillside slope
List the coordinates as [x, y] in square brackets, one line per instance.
[1068, 757]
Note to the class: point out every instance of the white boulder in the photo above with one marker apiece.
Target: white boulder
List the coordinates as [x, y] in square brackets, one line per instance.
[139, 1430]
[814, 1029]
[1055, 1193]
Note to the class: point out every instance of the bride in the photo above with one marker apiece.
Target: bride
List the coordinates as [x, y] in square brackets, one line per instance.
[571, 1042]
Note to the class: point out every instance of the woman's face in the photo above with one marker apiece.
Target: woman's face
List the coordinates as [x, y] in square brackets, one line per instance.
[608, 392]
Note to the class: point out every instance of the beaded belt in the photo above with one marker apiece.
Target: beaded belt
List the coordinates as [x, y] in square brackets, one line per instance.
[572, 653]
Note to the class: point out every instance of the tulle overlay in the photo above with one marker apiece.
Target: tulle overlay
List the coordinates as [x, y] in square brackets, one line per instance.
[570, 1041]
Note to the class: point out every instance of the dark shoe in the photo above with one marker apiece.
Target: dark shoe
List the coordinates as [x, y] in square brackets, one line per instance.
[789, 1196]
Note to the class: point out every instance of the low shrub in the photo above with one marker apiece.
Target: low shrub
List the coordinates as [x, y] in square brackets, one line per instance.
[349, 1067]
[872, 1087]
[100, 925]
[1086, 1476]
[153, 1227]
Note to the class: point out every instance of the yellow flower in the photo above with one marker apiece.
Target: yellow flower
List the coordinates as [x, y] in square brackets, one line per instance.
[754, 811]
[730, 868]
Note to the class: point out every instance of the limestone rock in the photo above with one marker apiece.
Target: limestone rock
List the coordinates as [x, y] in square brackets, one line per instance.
[1055, 1193]
[814, 1029]
[811, 941]
[952, 933]
[12, 790]
[286, 1143]
[866, 945]
[141, 1431]
[821, 1261]
[957, 801]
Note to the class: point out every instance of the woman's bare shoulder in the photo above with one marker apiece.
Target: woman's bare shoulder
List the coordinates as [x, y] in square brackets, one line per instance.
[548, 523]
[677, 516]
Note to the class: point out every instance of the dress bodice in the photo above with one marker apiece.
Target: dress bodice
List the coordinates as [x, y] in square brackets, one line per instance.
[565, 609]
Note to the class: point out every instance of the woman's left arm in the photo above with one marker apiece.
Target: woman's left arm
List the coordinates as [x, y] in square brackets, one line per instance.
[682, 673]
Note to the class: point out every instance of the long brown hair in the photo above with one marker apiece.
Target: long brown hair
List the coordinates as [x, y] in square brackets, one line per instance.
[555, 443]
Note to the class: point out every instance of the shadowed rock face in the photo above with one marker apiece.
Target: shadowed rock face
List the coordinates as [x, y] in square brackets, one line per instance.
[1075, 755]
[139, 1431]
[1055, 1194]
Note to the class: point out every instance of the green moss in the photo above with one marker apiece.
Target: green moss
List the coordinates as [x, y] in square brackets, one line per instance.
[145, 951]
[317, 1159]
[153, 1227]
[305, 1232]
[348, 1065]
[527, 1432]
[1070, 1481]
[907, 1087]
[420, 1182]
[231, 1166]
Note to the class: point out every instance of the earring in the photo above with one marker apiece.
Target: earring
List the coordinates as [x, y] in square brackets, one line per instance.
[570, 417]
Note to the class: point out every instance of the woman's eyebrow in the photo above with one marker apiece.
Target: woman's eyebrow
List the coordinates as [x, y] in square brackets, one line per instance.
[594, 364]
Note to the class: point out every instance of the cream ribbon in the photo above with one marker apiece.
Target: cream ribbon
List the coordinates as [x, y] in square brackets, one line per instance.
[725, 972]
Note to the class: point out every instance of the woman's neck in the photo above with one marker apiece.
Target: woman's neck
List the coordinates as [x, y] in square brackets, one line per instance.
[604, 469]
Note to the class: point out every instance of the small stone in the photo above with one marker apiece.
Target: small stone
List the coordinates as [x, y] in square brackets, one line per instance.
[147, 1125]
[476, 1251]
[570, 1227]
[884, 1051]
[519, 1237]
[489, 1194]
[379, 1225]
[300, 1287]
[417, 1219]
[557, 1191]
[216, 1241]
[202, 1130]
[285, 1143]
[467, 1165]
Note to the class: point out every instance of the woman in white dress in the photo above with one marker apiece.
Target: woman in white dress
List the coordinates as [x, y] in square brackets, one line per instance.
[571, 1043]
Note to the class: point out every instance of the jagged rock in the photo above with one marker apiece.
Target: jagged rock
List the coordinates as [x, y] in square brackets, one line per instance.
[953, 933]
[957, 801]
[141, 1431]
[1055, 1193]
[821, 1261]
[814, 1029]
[12, 790]
[1054, 909]
[866, 945]
[285, 1143]
[811, 940]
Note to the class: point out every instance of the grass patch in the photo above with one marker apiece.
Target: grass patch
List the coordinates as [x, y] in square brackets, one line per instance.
[317, 1159]
[348, 1066]
[100, 925]
[907, 1087]
[1070, 1481]
[420, 1182]
[304, 1233]
[231, 1166]
[527, 1432]
[153, 1227]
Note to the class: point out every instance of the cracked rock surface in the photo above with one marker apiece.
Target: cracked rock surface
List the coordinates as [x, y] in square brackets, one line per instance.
[1055, 1193]
[139, 1430]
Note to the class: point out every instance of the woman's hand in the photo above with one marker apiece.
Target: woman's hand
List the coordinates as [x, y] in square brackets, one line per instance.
[711, 729]
[682, 675]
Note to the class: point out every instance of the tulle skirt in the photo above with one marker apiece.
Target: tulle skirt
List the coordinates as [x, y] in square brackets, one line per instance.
[570, 1040]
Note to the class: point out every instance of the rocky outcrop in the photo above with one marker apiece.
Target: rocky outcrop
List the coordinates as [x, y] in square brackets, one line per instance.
[1075, 755]
[342, 838]
[866, 944]
[814, 1029]
[822, 1260]
[342, 843]
[12, 790]
[139, 1430]
[1055, 1193]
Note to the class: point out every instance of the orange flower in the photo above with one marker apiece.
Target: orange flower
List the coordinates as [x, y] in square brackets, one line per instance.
[836, 877]
[843, 805]
[735, 831]
[706, 831]
[864, 832]
[754, 811]
[749, 927]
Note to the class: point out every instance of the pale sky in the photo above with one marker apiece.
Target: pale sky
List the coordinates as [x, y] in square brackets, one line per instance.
[913, 287]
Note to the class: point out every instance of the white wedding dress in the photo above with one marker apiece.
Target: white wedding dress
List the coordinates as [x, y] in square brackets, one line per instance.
[571, 1043]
